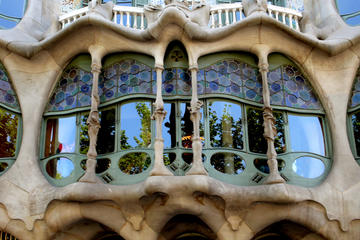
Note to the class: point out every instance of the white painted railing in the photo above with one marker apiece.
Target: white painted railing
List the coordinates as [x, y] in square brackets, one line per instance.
[72, 16]
[225, 14]
[131, 17]
[220, 15]
[287, 16]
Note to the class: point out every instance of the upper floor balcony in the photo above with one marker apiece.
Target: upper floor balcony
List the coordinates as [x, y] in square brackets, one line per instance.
[135, 15]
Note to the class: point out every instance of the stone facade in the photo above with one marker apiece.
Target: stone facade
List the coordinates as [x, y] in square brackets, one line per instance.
[35, 54]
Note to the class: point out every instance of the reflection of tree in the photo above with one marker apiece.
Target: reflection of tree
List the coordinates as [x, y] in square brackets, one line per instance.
[225, 131]
[257, 142]
[134, 163]
[356, 125]
[8, 133]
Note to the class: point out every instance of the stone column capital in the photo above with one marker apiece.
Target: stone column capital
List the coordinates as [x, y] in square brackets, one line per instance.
[95, 68]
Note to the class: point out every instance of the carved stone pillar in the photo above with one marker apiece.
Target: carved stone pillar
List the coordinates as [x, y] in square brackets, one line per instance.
[94, 126]
[269, 128]
[197, 167]
[159, 168]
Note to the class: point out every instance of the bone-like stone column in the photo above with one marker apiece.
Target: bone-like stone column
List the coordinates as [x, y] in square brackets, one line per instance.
[94, 126]
[159, 168]
[269, 127]
[197, 167]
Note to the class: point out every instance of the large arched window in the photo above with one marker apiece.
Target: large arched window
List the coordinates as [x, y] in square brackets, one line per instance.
[354, 118]
[10, 122]
[11, 12]
[124, 143]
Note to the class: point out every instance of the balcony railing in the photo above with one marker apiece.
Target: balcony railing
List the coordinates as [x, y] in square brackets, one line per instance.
[220, 15]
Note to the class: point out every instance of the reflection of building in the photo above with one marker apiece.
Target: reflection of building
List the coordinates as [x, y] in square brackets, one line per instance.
[185, 121]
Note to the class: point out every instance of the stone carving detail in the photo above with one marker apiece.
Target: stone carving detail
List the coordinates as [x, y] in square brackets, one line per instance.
[252, 6]
[94, 126]
[159, 115]
[321, 19]
[197, 167]
[103, 10]
[269, 129]
[199, 14]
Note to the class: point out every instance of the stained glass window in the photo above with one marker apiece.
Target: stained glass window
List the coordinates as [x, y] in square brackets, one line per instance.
[289, 87]
[231, 77]
[72, 90]
[125, 77]
[7, 94]
[176, 81]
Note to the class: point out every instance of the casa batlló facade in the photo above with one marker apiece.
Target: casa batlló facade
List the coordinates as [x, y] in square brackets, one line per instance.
[179, 120]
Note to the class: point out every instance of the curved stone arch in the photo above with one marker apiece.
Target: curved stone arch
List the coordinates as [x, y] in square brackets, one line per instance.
[286, 230]
[62, 216]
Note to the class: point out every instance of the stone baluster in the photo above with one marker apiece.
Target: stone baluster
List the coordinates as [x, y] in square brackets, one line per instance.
[159, 168]
[142, 25]
[269, 127]
[283, 18]
[115, 16]
[121, 18]
[227, 22]
[277, 16]
[212, 19]
[127, 19]
[94, 125]
[296, 23]
[220, 18]
[197, 167]
[241, 13]
[291, 21]
[234, 15]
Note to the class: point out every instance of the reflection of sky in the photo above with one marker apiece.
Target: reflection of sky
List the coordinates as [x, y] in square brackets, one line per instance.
[131, 122]
[64, 167]
[166, 135]
[308, 167]
[349, 6]
[306, 134]
[67, 133]
[12, 8]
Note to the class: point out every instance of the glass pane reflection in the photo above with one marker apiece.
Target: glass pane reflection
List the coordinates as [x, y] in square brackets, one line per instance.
[135, 125]
[306, 134]
[225, 124]
[59, 168]
[106, 136]
[169, 158]
[3, 166]
[355, 118]
[169, 126]
[187, 126]
[228, 163]
[60, 135]
[261, 164]
[308, 167]
[8, 133]
[134, 163]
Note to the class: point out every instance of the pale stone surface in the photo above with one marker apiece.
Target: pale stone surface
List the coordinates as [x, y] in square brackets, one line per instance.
[34, 55]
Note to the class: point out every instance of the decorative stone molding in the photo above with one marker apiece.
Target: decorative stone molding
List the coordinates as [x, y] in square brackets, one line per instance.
[253, 6]
[104, 10]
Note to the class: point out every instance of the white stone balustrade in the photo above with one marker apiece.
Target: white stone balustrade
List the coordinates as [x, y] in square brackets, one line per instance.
[225, 14]
[131, 17]
[72, 16]
[287, 16]
[220, 15]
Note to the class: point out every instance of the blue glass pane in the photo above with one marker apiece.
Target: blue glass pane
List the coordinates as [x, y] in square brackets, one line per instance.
[308, 167]
[354, 21]
[348, 6]
[6, 24]
[306, 134]
[13, 8]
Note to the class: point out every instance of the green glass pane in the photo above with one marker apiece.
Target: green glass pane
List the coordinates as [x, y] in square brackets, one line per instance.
[135, 125]
[225, 124]
[228, 163]
[59, 168]
[106, 136]
[257, 141]
[8, 133]
[134, 163]
[355, 118]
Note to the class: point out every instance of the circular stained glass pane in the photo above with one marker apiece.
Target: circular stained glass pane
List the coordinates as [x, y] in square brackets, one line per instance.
[59, 168]
[228, 163]
[3, 166]
[308, 167]
[169, 158]
[261, 165]
[134, 163]
[102, 165]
